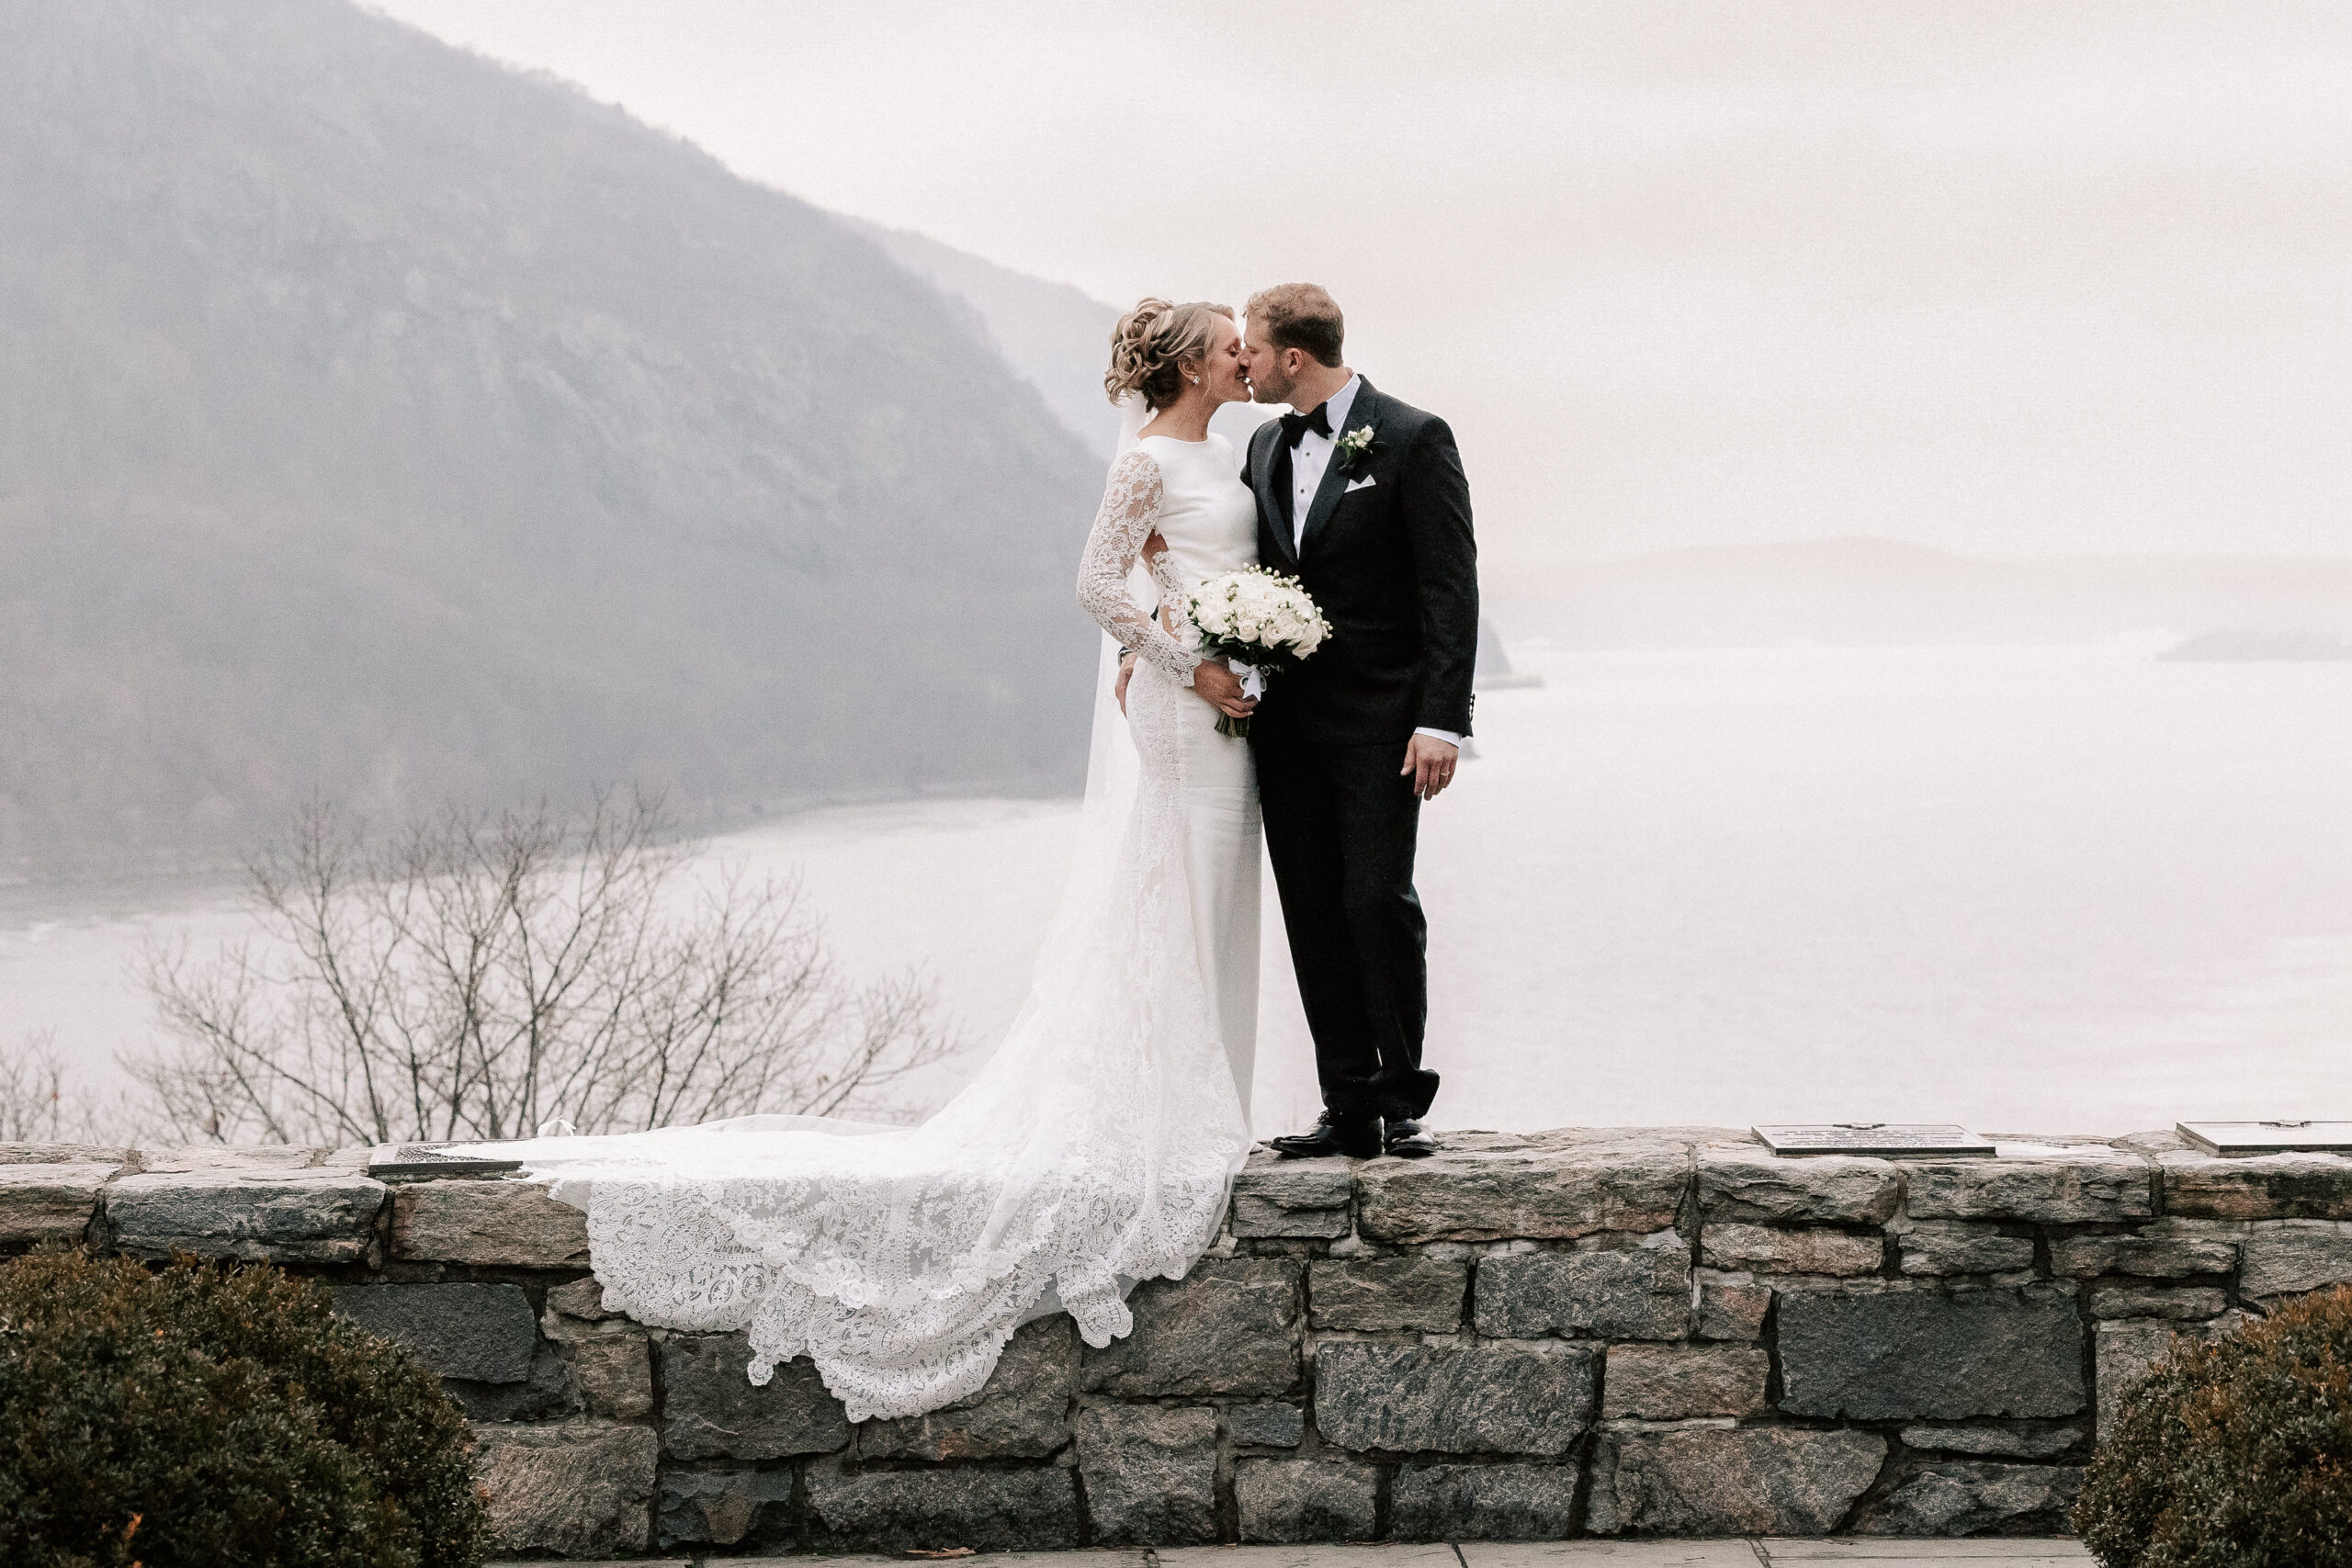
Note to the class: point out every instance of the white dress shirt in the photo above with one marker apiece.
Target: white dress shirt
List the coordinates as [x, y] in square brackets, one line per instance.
[1313, 455]
[1307, 461]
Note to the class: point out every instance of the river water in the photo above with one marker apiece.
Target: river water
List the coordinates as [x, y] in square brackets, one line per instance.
[2058, 890]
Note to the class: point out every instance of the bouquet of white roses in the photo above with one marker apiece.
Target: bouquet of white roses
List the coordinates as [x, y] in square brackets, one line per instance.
[1258, 621]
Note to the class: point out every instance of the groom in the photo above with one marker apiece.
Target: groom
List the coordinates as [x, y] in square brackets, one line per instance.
[1363, 498]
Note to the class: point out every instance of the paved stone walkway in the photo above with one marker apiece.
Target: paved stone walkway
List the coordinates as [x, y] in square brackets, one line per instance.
[1865, 1551]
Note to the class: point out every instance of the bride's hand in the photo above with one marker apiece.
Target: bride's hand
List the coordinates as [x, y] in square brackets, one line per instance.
[1219, 687]
[1126, 673]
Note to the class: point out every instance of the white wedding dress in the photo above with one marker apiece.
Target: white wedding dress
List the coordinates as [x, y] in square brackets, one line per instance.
[1184, 494]
[1095, 1148]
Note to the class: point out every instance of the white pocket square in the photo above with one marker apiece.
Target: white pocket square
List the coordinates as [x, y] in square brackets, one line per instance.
[1364, 483]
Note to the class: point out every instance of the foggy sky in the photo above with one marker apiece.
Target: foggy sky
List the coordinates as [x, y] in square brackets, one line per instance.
[2029, 278]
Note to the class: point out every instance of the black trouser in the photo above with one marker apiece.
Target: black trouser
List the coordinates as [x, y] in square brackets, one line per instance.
[1340, 825]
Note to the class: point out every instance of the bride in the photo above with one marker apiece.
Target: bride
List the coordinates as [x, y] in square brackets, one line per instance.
[1095, 1147]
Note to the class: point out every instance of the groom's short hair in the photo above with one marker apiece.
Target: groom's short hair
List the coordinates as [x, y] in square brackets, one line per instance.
[1300, 316]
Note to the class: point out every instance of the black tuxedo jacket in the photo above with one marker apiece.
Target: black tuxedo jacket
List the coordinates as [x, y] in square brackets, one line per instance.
[1388, 555]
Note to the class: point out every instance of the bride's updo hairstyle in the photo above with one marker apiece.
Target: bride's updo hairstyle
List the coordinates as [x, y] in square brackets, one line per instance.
[1151, 345]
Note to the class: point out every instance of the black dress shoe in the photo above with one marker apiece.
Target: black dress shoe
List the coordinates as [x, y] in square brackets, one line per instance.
[1408, 1139]
[1357, 1137]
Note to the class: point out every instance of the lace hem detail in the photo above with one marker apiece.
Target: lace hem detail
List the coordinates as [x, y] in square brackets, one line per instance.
[795, 1267]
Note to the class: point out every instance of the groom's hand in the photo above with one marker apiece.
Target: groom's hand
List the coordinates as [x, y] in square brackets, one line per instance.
[1431, 761]
[1221, 688]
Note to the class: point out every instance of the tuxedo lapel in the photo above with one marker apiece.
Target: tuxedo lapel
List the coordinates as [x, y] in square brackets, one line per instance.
[1271, 480]
[1363, 412]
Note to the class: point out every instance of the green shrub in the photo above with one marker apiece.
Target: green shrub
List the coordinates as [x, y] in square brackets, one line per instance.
[2235, 1453]
[199, 1417]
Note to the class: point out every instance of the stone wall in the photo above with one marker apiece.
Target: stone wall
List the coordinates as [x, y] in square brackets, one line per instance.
[1584, 1332]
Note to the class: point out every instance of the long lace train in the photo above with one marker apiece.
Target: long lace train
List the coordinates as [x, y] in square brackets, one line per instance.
[1094, 1149]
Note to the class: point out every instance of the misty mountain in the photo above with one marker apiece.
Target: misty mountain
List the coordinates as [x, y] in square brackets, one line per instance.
[1868, 592]
[380, 422]
[1056, 336]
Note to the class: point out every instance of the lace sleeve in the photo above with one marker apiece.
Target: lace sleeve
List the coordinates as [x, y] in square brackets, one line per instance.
[1130, 507]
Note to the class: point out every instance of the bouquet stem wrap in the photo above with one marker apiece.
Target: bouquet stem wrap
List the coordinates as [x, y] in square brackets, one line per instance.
[1253, 687]
[1258, 622]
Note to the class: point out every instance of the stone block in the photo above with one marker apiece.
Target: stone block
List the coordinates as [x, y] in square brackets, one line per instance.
[611, 1358]
[1543, 1186]
[245, 1157]
[1966, 1499]
[2267, 1187]
[509, 1224]
[49, 1202]
[700, 1507]
[545, 1392]
[1717, 1480]
[1732, 1309]
[2022, 1442]
[582, 1298]
[2164, 1257]
[614, 1370]
[1769, 1251]
[2294, 1255]
[279, 1215]
[1640, 1293]
[112, 1155]
[2127, 1350]
[483, 1332]
[1020, 1413]
[2126, 1353]
[1912, 1354]
[1462, 1399]
[1482, 1502]
[2152, 1144]
[2087, 1186]
[1277, 1197]
[1962, 1246]
[1295, 1500]
[580, 1489]
[1266, 1426]
[1229, 1326]
[1411, 1290]
[1668, 1384]
[711, 1409]
[2130, 1298]
[933, 1510]
[1150, 1474]
[1745, 1182]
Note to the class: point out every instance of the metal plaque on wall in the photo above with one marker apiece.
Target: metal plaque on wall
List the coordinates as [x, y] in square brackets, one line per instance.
[2238, 1138]
[436, 1160]
[1883, 1139]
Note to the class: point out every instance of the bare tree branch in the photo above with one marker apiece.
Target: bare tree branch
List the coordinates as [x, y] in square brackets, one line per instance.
[475, 975]
[41, 1103]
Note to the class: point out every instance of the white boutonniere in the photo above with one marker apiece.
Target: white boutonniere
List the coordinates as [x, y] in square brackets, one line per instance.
[1354, 448]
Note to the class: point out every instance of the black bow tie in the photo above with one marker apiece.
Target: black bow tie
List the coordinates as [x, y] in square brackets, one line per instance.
[1298, 424]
